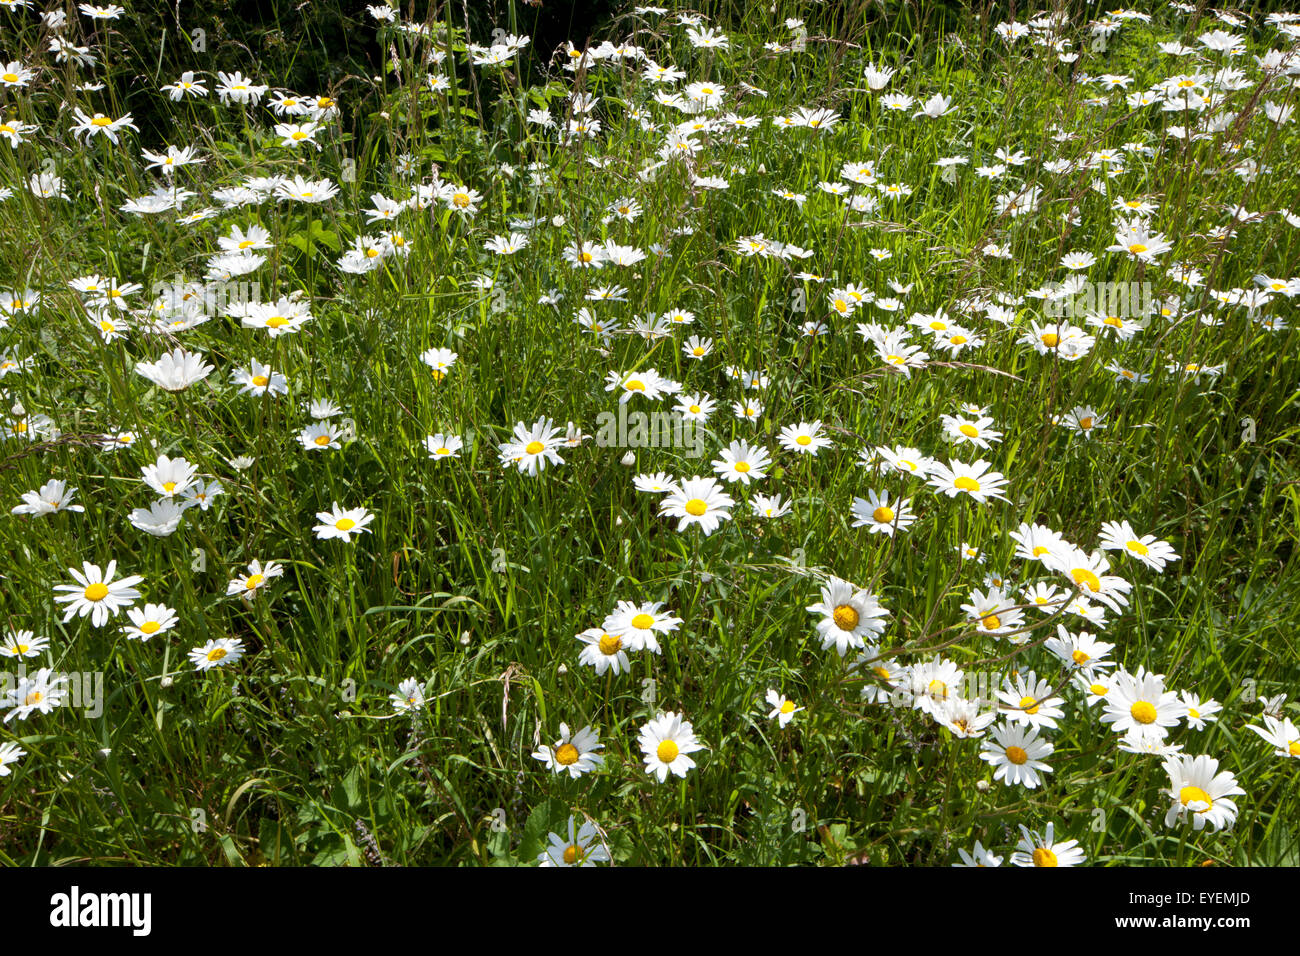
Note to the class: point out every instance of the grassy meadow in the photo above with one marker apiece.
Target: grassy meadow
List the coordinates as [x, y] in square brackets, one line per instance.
[825, 435]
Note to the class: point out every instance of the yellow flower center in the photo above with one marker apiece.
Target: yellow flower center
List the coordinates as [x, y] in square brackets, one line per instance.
[216, 654]
[958, 340]
[260, 381]
[1137, 547]
[566, 755]
[970, 431]
[610, 645]
[460, 200]
[966, 484]
[534, 448]
[1189, 795]
[1017, 755]
[1098, 689]
[150, 627]
[1143, 712]
[322, 440]
[253, 580]
[643, 622]
[634, 385]
[698, 351]
[1080, 658]
[297, 134]
[1085, 423]
[938, 689]
[101, 121]
[695, 409]
[846, 617]
[275, 321]
[1044, 857]
[573, 854]
[696, 507]
[1137, 248]
[97, 591]
[35, 697]
[743, 466]
[804, 440]
[1029, 705]
[667, 751]
[787, 707]
[11, 77]
[991, 622]
[1293, 748]
[1086, 577]
[345, 524]
[883, 515]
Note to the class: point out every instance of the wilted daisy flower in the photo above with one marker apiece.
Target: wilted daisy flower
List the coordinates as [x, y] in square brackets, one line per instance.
[574, 753]
[1198, 790]
[665, 743]
[1016, 755]
[96, 595]
[783, 709]
[579, 849]
[963, 716]
[338, 523]
[218, 652]
[849, 615]
[1036, 849]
